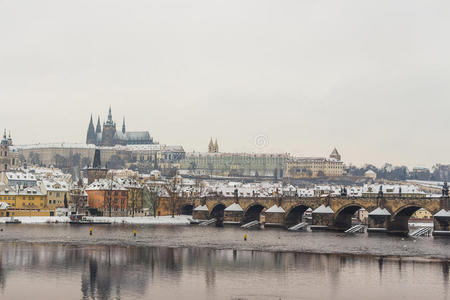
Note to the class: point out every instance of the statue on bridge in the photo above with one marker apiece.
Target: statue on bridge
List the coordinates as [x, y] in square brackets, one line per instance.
[380, 192]
[445, 190]
[344, 192]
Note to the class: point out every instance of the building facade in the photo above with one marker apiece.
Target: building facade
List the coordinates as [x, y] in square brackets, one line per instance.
[235, 164]
[58, 193]
[30, 201]
[314, 167]
[107, 196]
[109, 136]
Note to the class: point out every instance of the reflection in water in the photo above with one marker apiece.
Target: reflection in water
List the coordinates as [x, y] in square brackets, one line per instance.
[115, 272]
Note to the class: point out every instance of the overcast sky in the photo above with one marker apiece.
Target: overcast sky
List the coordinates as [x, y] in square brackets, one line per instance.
[371, 78]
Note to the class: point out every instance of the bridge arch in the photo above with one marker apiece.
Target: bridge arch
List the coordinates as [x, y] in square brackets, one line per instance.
[217, 211]
[295, 215]
[343, 217]
[252, 212]
[187, 209]
[399, 220]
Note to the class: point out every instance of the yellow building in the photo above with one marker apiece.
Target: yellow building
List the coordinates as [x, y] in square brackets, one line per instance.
[29, 201]
[56, 191]
[422, 214]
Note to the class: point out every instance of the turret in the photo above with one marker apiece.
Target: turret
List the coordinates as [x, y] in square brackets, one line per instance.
[9, 139]
[4, 140]
[335, 154]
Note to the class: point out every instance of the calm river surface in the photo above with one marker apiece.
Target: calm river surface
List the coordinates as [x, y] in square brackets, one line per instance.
[193, 262]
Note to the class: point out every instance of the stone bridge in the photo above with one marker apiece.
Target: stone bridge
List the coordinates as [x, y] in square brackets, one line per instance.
[386, 213]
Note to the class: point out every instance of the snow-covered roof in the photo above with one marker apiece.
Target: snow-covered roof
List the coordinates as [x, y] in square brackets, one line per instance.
[323, 210]
[392, 189]
[3, 205]
[240, 154]
[380, 212]
[442, 213]
[55, 185]
[20, 176]
[201, 208]
[275, 209]
[133, 135]
[105, 184]
[234, 207]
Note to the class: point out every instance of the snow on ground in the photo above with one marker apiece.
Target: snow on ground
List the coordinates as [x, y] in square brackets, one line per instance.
[37, 220]
[177, 220]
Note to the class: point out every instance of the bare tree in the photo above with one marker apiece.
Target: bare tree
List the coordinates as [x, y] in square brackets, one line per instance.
[108, 195]
[173, 189]
[150, 194]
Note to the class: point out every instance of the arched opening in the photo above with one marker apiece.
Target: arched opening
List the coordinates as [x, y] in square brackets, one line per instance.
[217, 212]
[410, 217]
[344, 217]
[188, 209]
[295, 215]
[253, 213]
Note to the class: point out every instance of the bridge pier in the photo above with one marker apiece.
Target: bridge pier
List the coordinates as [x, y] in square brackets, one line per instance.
[378, 220]
[275, 216]
[201, 212]
[441, 222]
[322, 218]
[233, 214]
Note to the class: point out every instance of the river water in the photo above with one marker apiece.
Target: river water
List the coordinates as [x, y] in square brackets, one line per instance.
[193, 262]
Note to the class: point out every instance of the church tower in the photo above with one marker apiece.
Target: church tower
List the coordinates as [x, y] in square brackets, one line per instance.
[123, 126]
[109, 131]
[90, 137]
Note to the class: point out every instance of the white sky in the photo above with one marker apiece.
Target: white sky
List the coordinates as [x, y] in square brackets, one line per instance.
[371, 78]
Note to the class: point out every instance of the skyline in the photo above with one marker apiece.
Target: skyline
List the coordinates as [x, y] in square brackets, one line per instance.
[307, 76]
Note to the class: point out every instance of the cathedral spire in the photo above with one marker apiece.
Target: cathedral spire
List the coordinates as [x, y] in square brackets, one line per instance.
[211, 146]
[99, 127]
[90, 137]
[216, 147]
[110, 121]
[123, 126]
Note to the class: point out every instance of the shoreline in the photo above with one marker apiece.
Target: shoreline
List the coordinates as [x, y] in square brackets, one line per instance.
[161, 220]
[393, 257]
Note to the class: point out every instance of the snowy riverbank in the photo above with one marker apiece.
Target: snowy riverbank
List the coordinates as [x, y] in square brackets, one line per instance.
[164, 220]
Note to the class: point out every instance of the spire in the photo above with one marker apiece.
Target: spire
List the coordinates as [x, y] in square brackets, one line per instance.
[4, 141]
[97, 162]
[123, 126]
[110, 114]
[9, 139]
[99, 127]
[216, 147]
[211, 146]
[109, 121]
[90, 137]
[335, 154]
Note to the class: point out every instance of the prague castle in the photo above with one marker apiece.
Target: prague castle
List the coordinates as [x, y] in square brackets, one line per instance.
[109, 136]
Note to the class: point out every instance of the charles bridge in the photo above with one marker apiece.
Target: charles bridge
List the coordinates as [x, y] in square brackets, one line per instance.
[387, 213]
